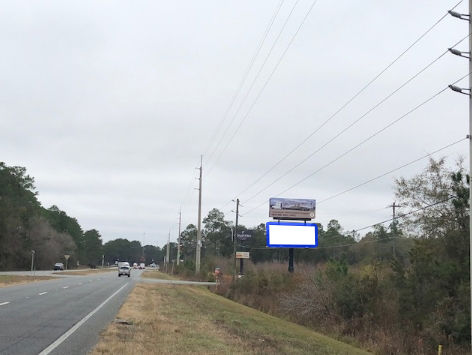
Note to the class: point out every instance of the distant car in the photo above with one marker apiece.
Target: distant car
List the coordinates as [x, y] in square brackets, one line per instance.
[58, 266]
[124, 270]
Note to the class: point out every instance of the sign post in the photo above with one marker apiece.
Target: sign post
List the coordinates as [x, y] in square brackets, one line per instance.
[67, 258]
[241, 255]
[32, 262]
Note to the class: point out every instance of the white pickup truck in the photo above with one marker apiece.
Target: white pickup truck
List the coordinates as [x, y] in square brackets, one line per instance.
[124, 270]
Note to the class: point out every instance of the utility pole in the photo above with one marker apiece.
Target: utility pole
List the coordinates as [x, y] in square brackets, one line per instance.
[178, 239]
[235, 238]
[470, 161]
[394, 230]
[199, 230]
[168, 250]
[143, 258]
[467, 17]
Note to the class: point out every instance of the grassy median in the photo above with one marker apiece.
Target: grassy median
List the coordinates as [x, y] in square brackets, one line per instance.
[176, 319]
[10, 280]
[84, 272]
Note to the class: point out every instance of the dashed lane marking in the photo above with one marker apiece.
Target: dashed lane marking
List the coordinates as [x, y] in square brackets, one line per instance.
[75, 327]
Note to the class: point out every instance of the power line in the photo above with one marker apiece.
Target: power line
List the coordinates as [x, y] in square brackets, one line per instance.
[336, 246]
[267, 81]
[391, 171]
[348, 102]
[364, 141]
[188, 188]
[253, 82]
[406, 214]
[243, 80]
[353, 123]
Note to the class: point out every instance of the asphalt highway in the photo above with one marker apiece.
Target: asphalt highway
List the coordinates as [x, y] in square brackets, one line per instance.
[61, 316]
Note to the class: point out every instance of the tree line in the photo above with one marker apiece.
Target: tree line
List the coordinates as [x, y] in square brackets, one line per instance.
[26, 226]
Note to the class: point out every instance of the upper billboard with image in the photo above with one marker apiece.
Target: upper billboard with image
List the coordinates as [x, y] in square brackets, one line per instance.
[291, 208]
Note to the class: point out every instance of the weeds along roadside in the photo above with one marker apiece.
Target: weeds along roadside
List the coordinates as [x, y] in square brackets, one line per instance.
[361, 304]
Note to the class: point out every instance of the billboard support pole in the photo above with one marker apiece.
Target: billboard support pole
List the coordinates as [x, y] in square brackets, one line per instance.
[290, 259]
[241, 267]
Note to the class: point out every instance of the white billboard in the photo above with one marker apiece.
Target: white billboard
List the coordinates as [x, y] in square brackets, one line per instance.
[291, 235]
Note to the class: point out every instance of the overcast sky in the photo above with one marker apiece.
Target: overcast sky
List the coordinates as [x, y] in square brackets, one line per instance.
[109, 105]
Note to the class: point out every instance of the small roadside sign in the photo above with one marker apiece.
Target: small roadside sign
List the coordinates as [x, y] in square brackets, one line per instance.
[245, 234]
[66, 256]
[242, 255]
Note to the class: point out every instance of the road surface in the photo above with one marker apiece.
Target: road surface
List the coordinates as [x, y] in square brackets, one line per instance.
[65, 315]
[34, 316]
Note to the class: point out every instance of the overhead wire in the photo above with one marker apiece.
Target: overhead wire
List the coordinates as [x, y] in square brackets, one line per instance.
[243, 80]
[391, 171]
[252, 84]
[348, 102]
[188, 188]
[354, 122]
[331, 246]
[364, 141]
[406, 214]
[264, 86]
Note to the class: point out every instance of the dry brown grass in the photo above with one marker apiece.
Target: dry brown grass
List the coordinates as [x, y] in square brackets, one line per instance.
[10, 280]
[175, 319]
[154, 274]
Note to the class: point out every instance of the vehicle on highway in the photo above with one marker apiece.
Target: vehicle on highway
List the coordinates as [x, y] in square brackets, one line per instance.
[124, 270]
[135, 266]
[58, 266]
[141, 266]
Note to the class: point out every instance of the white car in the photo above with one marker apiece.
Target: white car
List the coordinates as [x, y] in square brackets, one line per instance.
[124, 270]
[58, 266]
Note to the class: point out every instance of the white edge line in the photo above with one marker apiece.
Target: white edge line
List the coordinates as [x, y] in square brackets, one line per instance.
[42, 293]
[75, 327]
[4, 303]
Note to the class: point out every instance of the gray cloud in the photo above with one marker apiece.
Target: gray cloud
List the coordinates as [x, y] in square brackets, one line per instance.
[109, 105]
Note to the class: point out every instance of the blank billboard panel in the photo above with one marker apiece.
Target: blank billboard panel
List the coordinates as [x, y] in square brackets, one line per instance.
[291, 235]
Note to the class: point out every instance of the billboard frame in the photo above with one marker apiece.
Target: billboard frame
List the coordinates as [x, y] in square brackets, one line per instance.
[294, 224]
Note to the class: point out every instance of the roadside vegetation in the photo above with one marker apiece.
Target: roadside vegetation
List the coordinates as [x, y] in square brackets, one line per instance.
[177, 319]
[85, 272]
[10, 280]
[402, 288]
